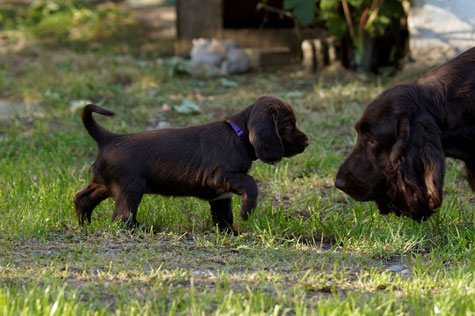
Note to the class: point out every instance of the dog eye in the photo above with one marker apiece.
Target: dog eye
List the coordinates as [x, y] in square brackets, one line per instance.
[371, 141]
[290, 128]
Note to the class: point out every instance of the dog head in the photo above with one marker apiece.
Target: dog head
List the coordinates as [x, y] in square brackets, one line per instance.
[398, 159]
[271, 126]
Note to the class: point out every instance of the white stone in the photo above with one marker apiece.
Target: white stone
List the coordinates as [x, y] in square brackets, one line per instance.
[441, 27]
[204, 53]
[236, 61]
[223, 57]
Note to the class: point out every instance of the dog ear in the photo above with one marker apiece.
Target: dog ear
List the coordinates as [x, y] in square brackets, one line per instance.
[264, 135]
[415, 169]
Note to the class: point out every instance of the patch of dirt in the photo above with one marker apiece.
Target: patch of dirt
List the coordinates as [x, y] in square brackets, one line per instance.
[93, 265]
[415, 68]
[11, 41]
[10, 107]
[336, 72]
[398, 265]
[162, 18]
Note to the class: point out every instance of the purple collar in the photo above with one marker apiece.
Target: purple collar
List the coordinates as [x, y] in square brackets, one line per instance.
[242, 135]
[238, 130]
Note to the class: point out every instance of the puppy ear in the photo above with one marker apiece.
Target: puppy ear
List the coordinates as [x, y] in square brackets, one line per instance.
[415, 169]
[264, 136]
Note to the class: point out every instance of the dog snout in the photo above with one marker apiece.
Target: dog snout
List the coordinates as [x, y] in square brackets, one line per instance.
[340, 184]
[302, 139]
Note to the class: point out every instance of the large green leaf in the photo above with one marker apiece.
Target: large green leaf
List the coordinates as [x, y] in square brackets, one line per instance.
[304, 10]
[337, 25]
[328, 8]
[355, 3]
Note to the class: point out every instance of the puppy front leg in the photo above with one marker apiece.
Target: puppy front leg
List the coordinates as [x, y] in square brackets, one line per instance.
[246, 187]
[222, 213]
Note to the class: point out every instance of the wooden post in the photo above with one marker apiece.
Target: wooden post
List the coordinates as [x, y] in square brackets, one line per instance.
[195, 19]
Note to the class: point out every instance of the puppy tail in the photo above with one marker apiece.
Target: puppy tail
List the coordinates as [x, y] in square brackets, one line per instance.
[97, 132]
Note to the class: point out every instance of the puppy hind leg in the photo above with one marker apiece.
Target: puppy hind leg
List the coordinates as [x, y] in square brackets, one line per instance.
[222, 213]
[470, 167]
[87, 199]
[126, 206]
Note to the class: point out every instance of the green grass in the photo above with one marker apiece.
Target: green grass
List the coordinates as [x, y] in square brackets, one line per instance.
[307, 248]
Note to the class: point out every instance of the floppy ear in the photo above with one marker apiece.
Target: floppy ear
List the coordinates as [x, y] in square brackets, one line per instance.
[415, 169]
[264, 136]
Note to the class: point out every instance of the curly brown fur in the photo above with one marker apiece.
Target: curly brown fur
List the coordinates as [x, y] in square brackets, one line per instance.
[404, 135]
[208, 161]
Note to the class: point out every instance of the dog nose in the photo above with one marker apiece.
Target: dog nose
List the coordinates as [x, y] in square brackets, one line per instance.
[306, 143]
[340, 184]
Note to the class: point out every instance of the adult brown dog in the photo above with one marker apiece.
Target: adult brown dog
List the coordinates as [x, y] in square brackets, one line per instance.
[404, 135]
[208, 161]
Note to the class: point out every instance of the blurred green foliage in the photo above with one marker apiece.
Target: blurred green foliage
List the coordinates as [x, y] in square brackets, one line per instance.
[353, 18]
[73, 22]
[9, 16]
[332, 14]
[360, 12]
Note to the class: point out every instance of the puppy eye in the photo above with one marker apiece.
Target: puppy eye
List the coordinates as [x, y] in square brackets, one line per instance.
[371, 141]
[290, 128]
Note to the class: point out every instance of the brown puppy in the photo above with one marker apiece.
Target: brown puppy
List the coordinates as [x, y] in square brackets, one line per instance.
[404, 135]
[208, 161]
